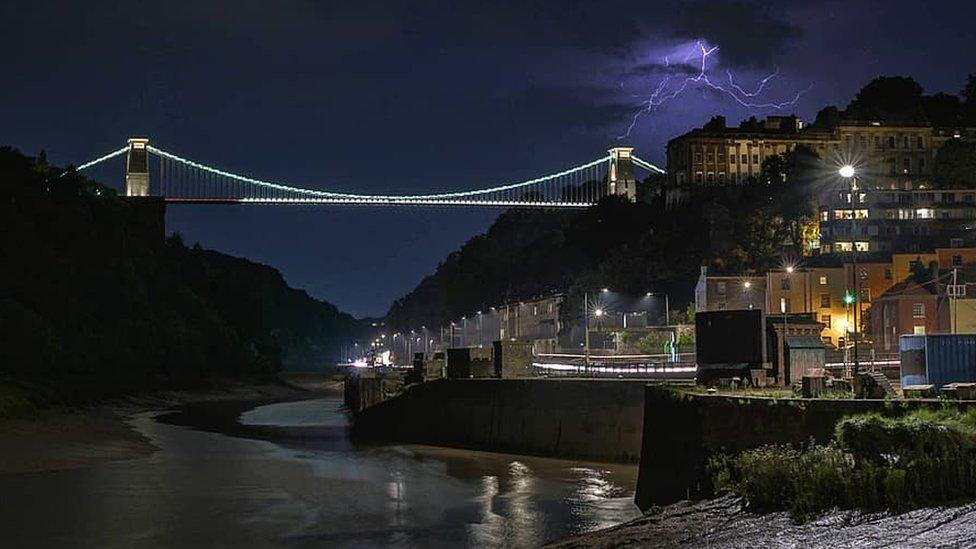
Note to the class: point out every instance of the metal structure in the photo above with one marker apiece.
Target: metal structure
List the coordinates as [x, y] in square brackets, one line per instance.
[183, 181]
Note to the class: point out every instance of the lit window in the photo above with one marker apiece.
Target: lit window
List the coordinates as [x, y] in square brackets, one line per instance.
[823, 280]
[843, 247]
[919, 330]
[863, 246]
[824, 215]
[918, 310]
[924, 213]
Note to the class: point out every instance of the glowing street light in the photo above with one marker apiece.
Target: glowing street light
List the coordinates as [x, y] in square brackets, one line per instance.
[848, 172]
[598, 312]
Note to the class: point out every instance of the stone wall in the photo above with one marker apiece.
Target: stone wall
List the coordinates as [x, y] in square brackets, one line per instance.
[597, 420]
[682, 430]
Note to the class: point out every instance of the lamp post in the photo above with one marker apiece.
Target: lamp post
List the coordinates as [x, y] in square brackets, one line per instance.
[848, 172]
[586, 331]
[667, 306]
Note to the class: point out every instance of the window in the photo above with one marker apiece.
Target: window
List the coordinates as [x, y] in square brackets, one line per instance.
[825, 319]
[784, 305]
[891, 142]
[905, 142]
[824, 301]
[784, 284]
[709, 155]
[824, 215]
[698, 157]
[918, 310]
[955, 242]
[710, 177]
[745, 159]
[698, 177]
[731, 159]
[755, 159]
[720, 287]
[887, 273]
[864, 141]
[864, 274]
[823, 280]
[862, 246]
[721, 158]
[919, 142]
[865, 295]
[924, 213]
[956, 260]
[721, 177]
[877, 142]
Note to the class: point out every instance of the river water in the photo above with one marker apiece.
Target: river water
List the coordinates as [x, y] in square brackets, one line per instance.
[286, 475]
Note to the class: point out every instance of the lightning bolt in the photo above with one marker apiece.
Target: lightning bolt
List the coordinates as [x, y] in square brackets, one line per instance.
[750, 100]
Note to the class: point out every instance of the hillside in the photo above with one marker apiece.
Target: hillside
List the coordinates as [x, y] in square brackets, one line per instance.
[89, 304]
[631, 247]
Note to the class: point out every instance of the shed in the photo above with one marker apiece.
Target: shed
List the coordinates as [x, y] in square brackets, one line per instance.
[804, 352]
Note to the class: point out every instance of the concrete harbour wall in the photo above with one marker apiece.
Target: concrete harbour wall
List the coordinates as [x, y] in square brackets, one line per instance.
[600, 420]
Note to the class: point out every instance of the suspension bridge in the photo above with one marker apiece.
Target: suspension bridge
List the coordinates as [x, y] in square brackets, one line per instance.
[179, 180]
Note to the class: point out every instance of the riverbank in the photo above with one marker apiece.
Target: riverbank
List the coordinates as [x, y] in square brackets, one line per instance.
[722, 522]
[70, 438]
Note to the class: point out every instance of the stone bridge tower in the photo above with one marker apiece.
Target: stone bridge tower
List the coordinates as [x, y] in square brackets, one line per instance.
[621, 178]
[137, 168]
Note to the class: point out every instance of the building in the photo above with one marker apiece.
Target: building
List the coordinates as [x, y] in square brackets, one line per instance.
[535, 320]
[886, 220]
[909, 308]
[719, 154]
[720, 293]
[896, 207]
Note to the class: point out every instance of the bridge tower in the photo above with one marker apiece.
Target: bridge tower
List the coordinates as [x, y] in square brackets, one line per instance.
[137, 168]
[621, 177]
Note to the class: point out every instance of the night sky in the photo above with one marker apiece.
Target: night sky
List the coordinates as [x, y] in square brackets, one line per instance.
[381, 96]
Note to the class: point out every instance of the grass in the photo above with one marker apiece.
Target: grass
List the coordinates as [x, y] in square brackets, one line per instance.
[926, 457]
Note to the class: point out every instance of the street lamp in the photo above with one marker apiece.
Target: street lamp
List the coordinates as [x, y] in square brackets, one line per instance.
[848, 172]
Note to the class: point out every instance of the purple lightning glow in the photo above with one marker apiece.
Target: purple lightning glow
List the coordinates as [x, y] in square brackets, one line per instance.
[663, 92]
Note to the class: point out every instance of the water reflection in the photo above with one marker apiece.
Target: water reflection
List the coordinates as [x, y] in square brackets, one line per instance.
[305, 486]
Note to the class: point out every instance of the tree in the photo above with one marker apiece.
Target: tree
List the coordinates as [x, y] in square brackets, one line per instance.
[889, 98]
[955, 165]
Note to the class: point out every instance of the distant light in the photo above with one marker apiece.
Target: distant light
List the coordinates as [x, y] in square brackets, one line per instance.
[846, 171]
[790, 269]
[848, 298]
[747, 284]
[605, 290]
[598, 312]
[648, 294]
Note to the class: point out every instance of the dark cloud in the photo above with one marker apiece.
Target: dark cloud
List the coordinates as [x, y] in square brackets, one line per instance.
[750, 34]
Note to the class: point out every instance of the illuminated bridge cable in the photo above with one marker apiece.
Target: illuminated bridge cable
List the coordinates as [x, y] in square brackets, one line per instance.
[646, 165]
[272, 186]
[101, 159]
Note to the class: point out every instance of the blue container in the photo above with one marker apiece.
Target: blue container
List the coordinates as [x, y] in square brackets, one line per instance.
[938, 359]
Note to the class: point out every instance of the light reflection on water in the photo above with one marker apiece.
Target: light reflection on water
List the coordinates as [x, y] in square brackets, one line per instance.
[316, 490]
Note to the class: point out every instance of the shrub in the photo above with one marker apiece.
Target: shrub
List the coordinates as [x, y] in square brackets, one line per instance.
[874, 463]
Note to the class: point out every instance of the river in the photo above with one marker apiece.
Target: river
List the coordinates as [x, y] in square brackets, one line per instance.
[286, 475]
